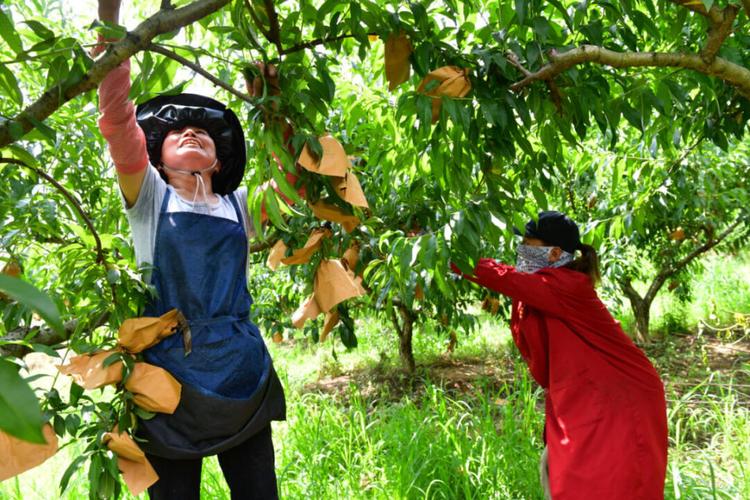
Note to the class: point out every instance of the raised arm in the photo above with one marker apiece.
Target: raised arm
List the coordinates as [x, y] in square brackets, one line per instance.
[127, 144]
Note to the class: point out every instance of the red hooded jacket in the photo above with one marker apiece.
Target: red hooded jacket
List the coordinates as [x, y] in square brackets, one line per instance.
[606, 422]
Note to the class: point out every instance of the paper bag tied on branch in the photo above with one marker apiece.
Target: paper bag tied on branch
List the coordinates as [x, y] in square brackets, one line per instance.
[397, 51]
[324, 211]
[154, 389]
[137, 471]
[88, 370]
[334, 284]
[332, 319]
[350, 190]
[138, 334]
[276, 254]
[333, 161]
[302, 255]
[17, 455]
[454, 82]
[309, 309]
[351, 256]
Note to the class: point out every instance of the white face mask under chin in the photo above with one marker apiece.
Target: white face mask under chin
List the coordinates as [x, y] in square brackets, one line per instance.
[200, 185]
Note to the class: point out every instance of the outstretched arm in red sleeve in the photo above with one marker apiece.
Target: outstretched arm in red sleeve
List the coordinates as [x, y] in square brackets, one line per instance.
[532, 289]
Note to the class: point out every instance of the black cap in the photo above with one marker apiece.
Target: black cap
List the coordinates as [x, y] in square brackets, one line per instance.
[555, 229]
[165, 113]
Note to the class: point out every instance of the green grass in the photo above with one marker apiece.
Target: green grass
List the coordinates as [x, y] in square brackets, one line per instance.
[379, 435]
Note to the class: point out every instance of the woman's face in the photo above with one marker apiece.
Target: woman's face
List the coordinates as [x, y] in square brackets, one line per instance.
[554, 254]
[190, 148]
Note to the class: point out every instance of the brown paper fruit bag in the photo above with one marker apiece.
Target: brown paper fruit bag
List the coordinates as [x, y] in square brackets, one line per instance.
[324, 211]
[89, 371]
[276, 254]
[351, 256]
[153, 388]
[137, 471]
[397, 51]
[332, 319]
[303, 255]
[454, 82]
[334, 284]
[333, 161]
[309, 309]
[17, 456]
[138, 334]
[350, 190]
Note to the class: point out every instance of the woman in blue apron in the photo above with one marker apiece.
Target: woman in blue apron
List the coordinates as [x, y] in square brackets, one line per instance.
[190, 223]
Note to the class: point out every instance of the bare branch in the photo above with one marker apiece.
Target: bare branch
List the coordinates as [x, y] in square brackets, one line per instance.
[44, 336]
[731, 73]
[257, 20]
[137, 40]
[719, 32]
[275, 30]
[317, 41]
[205, 74]
[553, 89]
[677, 267]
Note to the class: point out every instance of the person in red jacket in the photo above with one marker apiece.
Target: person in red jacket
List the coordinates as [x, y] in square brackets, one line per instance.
[606, 424]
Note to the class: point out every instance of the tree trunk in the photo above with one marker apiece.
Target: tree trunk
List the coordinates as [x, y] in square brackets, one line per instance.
[405, 329]
[641, 310]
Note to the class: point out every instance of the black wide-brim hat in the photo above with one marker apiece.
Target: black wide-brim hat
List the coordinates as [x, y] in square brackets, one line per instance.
[162, 114]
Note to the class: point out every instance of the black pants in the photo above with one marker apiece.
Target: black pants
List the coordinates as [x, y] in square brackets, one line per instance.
[248, 469]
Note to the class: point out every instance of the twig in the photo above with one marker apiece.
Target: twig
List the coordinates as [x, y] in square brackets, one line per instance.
[714, 15]
[259, 247]
[274, 31]
[44, 336]
[553, 88]
[728, 71]
[100, 258]
[205, 74]
[257, 20]
[53, 98]
[317, 41]
[719, 32]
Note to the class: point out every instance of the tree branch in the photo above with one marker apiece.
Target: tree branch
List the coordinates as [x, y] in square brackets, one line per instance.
[631, 293]
[670, 271]
[137, 40]
[719, 32]
[44, 336]
[275, 30]
[318, 41]
[553, 89]
[205, 74]
[257, 20]
[100, 258]
[746, 4]
[714, 15]
[721, 68]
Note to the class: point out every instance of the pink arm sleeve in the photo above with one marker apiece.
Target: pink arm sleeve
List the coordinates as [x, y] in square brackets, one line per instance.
[127, 144]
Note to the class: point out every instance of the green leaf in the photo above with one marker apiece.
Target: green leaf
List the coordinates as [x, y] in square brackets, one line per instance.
[9, 85]
[31, 297]
[708, 4]
[20, 415]
[273, 211]
[9, 33]
[72, 468]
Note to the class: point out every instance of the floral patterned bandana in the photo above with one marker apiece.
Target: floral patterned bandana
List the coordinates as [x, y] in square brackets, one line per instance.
[530, 259]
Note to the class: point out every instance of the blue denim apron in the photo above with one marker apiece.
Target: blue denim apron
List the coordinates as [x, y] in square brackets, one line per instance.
[230, 390]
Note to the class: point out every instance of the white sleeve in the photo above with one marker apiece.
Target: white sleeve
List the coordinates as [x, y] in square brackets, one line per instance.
[144, 215]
